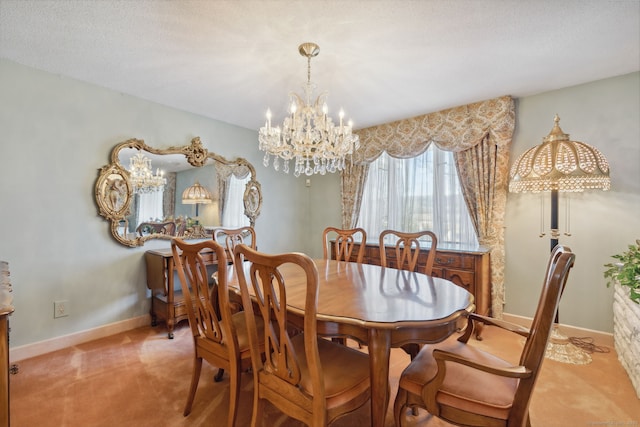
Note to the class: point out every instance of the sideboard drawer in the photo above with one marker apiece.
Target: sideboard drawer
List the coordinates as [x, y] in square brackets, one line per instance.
[464, 279]
[451, 260]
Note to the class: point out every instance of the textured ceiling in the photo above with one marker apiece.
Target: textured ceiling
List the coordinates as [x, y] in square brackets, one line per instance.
[380, 60]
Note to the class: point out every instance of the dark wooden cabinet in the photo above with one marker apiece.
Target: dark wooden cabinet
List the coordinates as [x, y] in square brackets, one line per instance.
[167, 302]
[466, 267]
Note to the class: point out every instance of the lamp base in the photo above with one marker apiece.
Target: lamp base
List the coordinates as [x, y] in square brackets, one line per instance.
[560, 349]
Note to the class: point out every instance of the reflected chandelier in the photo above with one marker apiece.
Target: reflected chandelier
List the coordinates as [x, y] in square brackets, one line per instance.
[308, 134]
[142, 178]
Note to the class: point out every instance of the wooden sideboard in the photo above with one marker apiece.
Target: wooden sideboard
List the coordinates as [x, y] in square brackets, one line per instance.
[468, 268]
[4, 373]
[167, 302]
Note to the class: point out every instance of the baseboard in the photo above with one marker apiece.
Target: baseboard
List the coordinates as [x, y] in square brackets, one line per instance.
[42, 347]
[39, 348]
[599, 338]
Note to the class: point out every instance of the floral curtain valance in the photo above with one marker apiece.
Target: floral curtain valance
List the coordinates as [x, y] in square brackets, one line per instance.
[456, 129]
[239, 171]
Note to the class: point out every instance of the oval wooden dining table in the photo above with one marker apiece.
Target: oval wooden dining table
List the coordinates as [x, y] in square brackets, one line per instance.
[381, 307]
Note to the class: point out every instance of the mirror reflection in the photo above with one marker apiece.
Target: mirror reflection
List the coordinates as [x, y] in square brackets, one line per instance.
[180, 191]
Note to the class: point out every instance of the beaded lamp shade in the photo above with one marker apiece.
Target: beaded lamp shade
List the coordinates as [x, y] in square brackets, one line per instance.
[559, 164]
[196, 194]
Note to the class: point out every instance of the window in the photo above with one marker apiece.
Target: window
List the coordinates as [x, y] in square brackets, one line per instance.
[150, 206]
[421, 193]
[233, 215]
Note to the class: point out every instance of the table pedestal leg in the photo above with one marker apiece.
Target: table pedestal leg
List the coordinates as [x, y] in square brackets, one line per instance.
[379, 352]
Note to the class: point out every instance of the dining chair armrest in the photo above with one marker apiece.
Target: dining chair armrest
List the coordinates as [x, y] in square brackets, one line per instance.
[441, 356]
[486, 320]
[512, 327]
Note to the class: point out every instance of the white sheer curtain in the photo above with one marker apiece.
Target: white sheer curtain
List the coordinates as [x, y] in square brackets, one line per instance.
[150, 207]
[233, 215]
[420, 193]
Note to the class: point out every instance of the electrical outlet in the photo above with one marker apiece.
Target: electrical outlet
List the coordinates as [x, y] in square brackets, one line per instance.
[60, 309]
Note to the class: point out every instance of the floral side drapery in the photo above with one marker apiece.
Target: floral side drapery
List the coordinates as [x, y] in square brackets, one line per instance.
[480, 136]
[224, 173]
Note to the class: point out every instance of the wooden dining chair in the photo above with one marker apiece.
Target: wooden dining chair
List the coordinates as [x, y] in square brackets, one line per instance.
[344, 243]
[308, 378]
[220, 338]
[230, 237]
[407, 252]
[464, 385]
[147, 228]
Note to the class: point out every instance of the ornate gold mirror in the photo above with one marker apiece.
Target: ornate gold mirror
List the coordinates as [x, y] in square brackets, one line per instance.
[149, 193]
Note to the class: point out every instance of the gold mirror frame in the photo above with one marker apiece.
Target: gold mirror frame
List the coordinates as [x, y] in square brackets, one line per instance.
[114, 192]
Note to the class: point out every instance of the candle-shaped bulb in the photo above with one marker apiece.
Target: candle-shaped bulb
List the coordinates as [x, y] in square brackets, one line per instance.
[325, 109]
[268, 119]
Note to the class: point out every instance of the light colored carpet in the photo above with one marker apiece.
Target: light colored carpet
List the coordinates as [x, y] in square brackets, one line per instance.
[140, 378]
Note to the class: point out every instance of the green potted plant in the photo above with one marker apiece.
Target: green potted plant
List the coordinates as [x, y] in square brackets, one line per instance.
[626, 271]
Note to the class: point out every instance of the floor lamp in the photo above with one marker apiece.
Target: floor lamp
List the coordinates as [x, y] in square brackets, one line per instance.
[560, 165]
[196, 195]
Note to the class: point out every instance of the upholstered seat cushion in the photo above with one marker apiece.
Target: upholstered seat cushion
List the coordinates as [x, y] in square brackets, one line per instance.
[464, 388]
[343, 368]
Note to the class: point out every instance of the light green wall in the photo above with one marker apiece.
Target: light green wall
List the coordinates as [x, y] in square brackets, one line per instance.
[57, 132]
[606, 115]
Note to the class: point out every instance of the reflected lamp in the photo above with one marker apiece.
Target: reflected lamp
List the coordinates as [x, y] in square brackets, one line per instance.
[196, 195]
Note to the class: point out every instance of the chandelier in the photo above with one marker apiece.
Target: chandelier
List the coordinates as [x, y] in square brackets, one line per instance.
[142, 178]
[308, 134]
